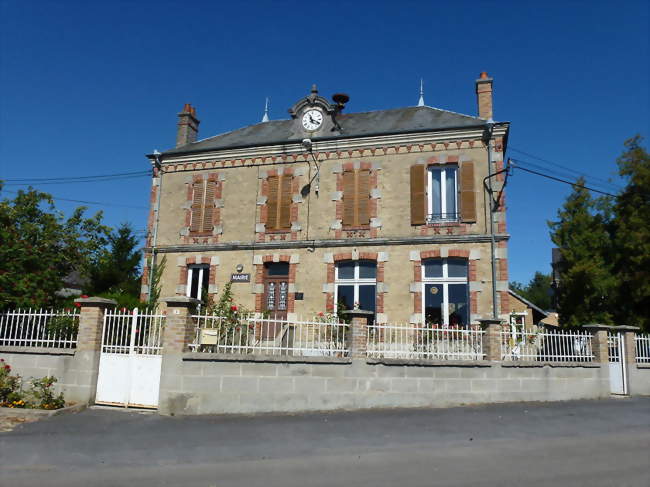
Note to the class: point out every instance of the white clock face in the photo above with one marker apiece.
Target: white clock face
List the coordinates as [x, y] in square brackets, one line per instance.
[312, 119]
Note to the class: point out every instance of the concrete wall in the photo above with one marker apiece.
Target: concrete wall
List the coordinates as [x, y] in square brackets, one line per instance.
[639, 379]
[76, 371]
[205, 384]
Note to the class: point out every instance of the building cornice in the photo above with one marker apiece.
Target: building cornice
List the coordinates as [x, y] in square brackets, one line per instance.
[293, 151]
[327, 243]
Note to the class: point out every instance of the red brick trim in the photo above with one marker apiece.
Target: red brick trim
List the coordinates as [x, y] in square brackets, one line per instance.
[343, 256]
[183, 271]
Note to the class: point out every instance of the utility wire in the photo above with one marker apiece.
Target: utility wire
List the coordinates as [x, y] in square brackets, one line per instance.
[559, 179]
[31, 182]
[71, 178]
[566, 175]
[560, 166]
[89, 202]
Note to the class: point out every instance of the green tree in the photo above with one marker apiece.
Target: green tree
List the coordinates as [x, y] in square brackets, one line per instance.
[39, 247]
[631, 236]
[587, 282]
[537, 291]
[116, 269]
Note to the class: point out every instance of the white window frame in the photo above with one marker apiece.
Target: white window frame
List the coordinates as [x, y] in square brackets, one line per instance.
[443, 193]
[356, 281]
[201, 268]
[445, 280]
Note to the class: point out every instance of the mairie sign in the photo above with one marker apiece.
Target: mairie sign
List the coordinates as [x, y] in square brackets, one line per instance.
[240, 277]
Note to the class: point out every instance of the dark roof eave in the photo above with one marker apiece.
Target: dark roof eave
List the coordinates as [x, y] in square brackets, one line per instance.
[525, 301]
[321, 139]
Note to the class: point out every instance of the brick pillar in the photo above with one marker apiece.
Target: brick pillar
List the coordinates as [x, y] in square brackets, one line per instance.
[492, 339]
[89, 341]
[359, 328]
[599, 346]
[179, 332]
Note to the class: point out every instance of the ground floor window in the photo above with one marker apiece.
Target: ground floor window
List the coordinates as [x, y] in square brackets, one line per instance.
[355, 285]
[445, 292]
[198, 277]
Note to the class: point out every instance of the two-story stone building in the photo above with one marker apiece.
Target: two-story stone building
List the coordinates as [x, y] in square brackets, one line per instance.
[387, 209]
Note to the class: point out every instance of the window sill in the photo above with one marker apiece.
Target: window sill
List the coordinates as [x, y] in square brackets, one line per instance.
[280, 231]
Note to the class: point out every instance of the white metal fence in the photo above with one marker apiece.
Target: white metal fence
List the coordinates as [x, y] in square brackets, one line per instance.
[642, 342]
[128, 332]
[424, 342]
[539, 344]
[270, 336]
[39, 328]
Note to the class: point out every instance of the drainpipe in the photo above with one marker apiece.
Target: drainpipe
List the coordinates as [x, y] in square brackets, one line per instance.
[154, 239]
[489, 130]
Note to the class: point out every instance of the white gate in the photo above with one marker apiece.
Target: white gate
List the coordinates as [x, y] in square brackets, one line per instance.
[130, 361]
[617, 369]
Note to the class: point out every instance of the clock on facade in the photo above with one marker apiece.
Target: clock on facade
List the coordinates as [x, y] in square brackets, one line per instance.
[312, 119]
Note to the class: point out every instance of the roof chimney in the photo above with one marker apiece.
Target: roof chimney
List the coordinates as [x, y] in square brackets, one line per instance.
[484, 96]
[188, 126]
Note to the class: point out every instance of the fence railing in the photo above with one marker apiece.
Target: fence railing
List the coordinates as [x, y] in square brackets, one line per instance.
[543, 345]
[642, 342]
[39, 328]
[270, 336]
[135, 331]
[424, 342]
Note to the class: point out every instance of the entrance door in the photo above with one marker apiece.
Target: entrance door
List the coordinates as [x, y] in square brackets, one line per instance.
[617, 366]
[276, 297]
[130, 360]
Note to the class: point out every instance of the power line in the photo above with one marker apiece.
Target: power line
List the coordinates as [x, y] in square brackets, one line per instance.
[561, 180]
[561, 174]
[30, 182]
[90, 202]
[595, 178]
[70, 178]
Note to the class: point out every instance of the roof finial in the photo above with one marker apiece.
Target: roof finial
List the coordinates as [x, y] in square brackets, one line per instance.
[265, 118]
[421, 100]
[314, 89]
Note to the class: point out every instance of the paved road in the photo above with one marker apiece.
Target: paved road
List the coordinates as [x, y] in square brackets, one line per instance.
[590, 443]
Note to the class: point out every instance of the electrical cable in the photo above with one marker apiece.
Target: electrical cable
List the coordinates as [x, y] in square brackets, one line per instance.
[514, 165]
[89, 202]
[71, 178]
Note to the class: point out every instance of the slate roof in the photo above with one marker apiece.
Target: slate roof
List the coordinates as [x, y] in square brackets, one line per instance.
[380, 122]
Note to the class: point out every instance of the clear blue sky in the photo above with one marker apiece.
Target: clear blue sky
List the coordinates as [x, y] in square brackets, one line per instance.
[88, 88]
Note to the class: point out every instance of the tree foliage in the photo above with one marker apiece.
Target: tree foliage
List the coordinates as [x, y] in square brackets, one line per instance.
[605, 248]
[116, 270]
[39, 247]
[537, 291]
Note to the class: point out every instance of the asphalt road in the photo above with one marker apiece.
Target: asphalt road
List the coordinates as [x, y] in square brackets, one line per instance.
[590, 443]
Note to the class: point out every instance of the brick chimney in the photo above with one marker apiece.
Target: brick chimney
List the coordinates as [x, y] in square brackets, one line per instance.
[188, 126]
[484, 96]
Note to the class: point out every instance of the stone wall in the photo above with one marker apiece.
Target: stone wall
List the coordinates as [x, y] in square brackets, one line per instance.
[639, 379]
[212, 384]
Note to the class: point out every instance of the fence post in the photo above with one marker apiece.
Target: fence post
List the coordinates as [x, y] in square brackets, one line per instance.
[89, 343]
[359, 328]
[492, 339]
[178, 333]
[629, 362]
[599, 344]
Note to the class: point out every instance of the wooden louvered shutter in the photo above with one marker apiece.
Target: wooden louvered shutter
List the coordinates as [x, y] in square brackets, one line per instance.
[418, 194]
[197, 206]
[272, 203]
[467, 192]
[284, 217]
[349, 198]
[208, 212]
[363, 198]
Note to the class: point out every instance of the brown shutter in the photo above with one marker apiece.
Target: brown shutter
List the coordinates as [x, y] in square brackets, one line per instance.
[285, 202]
[363, 197]
[272, 203]
[197, 206]
[467, 192]
[349, 198]
[208, 212]
[418, 194]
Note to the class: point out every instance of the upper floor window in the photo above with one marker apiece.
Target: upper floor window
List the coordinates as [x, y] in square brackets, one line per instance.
[445, 292]
[356, 198]
[202, 213]
[198, 278]
[442, 194]
[279, 203]
[356, 283]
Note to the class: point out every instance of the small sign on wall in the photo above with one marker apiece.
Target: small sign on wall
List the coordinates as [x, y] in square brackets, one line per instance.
[240, 277]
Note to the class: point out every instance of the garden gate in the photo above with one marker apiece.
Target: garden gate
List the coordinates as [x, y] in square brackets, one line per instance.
[617, 365]
[130, 360]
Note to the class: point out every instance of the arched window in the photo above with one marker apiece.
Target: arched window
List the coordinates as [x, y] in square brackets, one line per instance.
[445, 292]
[355, 282]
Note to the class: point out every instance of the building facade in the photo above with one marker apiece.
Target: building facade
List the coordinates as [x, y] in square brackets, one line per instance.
[386, 210]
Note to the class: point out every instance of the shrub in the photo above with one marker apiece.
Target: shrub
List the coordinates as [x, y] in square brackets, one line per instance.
[39, 396]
